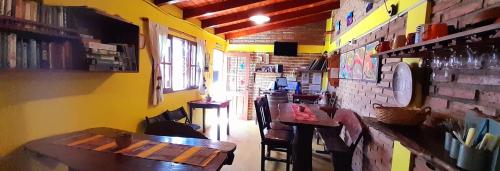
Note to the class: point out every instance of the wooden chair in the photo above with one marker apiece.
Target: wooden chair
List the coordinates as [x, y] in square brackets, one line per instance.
[268, 121]
[272, 139]
[179, 114]
[155, 119]
[342, 149]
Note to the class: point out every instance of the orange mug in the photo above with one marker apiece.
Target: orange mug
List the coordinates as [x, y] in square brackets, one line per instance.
[383, 46]
[439, 30]
[410, 39]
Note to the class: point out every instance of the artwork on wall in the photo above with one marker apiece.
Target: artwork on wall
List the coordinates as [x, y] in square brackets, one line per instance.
[371, 64]
[357, 67]
[369, 6]
[350, 18]
[346, 65]
[337, 27]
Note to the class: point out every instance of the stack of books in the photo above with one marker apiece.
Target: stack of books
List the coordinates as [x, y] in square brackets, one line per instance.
[34, 10]
[103, 57]
[21, 53]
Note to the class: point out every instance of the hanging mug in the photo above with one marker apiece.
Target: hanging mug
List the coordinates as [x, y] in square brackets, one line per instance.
[439, 30]
[383, 46]
[399, 41]
[410, 39]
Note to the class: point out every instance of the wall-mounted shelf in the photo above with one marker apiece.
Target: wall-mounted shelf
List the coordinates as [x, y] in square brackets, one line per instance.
[461, 38]
[33, 29]
[57, 40]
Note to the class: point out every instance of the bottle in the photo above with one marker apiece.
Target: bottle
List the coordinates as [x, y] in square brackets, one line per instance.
[297, 89]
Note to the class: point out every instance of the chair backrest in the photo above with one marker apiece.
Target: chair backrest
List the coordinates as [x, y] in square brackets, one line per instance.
[260, 115]
[267, 112]
[352, 125]
[177, 115]
[173, 129]
[155, 119]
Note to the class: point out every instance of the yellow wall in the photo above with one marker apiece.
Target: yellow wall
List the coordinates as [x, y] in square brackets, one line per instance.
[35, 105]
[416, 16]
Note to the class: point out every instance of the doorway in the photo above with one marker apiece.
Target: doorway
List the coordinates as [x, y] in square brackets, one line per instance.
[218, 88]
[238, 77]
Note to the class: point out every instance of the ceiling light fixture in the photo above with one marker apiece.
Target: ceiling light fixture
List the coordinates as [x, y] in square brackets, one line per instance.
[259, 19]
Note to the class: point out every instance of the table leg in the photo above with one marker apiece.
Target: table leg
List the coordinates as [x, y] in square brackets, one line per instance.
[302, 148]
[227, 119]
[191, 114]
[203, 120]
[218, 124]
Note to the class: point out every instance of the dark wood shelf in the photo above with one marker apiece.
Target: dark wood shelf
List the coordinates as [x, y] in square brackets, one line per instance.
[312, 71]
[460, 38]
[422, 141]
[35, 29]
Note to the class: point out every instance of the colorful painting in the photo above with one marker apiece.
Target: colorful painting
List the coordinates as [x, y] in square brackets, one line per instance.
[346, 65]
[357, 68]
[370, 64]
[337, 27]
[350, 18]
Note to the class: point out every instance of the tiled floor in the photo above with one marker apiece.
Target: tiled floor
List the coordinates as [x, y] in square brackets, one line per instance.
[246, 136]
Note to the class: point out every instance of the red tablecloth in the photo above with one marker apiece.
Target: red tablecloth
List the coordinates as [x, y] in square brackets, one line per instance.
[307, 115]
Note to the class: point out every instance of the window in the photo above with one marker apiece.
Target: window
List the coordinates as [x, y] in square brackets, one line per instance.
[180, 65]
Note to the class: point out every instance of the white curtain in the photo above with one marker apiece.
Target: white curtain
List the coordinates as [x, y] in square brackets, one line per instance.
[158, 35]
[200, 52]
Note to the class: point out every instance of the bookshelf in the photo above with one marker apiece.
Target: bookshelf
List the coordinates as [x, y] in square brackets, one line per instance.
[62, 39]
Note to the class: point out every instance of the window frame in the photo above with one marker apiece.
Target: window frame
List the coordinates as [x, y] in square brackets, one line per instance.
[192, 47]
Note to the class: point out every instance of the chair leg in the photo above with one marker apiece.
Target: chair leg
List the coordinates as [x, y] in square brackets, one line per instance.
[288, 157]
[268, 154]
[262, 155]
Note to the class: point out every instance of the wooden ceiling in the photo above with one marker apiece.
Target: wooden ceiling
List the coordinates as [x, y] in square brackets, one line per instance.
[231, 17]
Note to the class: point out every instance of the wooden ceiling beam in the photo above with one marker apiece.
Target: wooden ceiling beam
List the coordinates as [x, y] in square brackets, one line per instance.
[294, 14]
[160, 2]
[244, 15]
[288, 23]
[217, 7]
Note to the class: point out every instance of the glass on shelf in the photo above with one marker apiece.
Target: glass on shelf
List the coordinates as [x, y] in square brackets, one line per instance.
[492, 58]
[471, 58]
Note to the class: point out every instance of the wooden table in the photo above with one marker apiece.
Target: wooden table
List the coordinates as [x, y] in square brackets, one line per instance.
[82, 159]
[210, 105]
[302, 146]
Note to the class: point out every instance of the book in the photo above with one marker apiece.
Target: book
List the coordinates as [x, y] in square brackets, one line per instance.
[19, 53]
[11, 54]
[2, 7]
[27, 11]
[32, 57]
[2, 50]
[19, 9]
[8, 8]
[44, 61]
[55, 56]
[34, 11]
[67, 62]
[25, 55]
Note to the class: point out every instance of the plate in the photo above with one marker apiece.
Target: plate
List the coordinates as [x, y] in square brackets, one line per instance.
[402, 84]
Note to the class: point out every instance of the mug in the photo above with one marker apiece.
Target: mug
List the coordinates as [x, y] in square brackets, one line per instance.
[439, 30]
[383, 46]
[123, 140]
[427, 32]
[399, 41]
[410, 39]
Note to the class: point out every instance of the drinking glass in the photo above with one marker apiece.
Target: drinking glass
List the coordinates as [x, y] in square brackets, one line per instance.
[470, 61]
[492, 62]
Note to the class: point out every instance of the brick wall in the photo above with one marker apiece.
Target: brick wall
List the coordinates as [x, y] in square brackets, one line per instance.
[308, 34]
[451, 97]
[459, 13]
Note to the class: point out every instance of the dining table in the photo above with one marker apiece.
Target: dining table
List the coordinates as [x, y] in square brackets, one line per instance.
[203, 104]
[86, 159]
[302, 145]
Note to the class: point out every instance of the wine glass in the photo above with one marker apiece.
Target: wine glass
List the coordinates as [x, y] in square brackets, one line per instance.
[470, 61]
[492, 62]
